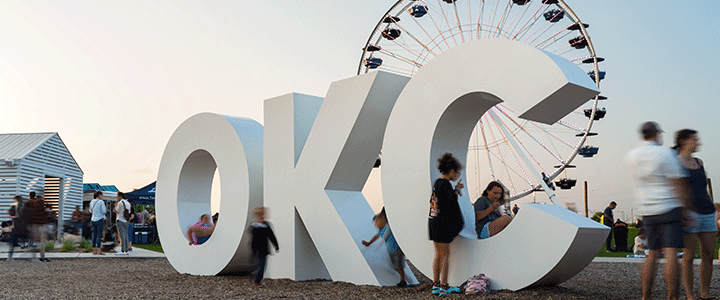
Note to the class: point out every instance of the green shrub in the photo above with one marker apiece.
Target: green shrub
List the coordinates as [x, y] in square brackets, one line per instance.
[86, 245]
[50, 246]
[68, 246]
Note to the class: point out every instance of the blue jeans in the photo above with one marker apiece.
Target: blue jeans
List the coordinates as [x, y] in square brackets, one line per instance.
[131, 228]
[262, 258]
[97, 228]
[123, 231]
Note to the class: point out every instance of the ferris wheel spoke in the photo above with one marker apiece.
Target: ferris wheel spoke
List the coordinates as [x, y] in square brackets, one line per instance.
[554, 135]
[487, 151]
[549, 25]
[571, 125]
[447, 23]
[529, 23]
[561, 38]
[430, 14]
[507, 140]
[519, 142]
[469, 19]
[480, 17]
[492, 20]
[537, 175]
[415, 38]
[398, 70]
[500, 156]
[401, 58]
[530, 134]
[510, 28]
[503, 18]
[427, 33]
[457, 19]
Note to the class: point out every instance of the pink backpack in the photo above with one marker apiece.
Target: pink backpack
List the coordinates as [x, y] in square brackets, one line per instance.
[477, 285]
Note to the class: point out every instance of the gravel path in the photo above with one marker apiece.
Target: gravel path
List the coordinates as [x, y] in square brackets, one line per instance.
[156, 279]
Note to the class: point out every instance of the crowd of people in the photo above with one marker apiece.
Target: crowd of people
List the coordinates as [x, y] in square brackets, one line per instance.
[33, 222]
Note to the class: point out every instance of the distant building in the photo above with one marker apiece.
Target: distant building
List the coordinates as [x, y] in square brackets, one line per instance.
[39, 162]
[89, 189]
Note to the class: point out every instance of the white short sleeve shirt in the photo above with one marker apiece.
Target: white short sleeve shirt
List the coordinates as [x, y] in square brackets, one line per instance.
[652, 167]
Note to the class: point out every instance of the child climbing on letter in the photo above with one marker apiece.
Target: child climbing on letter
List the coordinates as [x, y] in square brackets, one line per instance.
[396, 255]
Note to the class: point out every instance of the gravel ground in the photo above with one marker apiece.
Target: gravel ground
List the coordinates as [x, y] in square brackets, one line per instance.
[156, 279]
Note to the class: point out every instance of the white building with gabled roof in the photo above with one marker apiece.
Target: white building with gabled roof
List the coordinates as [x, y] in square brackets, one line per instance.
[39, 162]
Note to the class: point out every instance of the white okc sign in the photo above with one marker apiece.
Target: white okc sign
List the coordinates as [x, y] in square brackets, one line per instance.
[310, 161]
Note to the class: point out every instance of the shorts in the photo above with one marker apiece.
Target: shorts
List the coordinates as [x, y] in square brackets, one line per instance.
[703, 223]
[664, 230]
[485, 231]
[201, 239]
[441, 232]
[398, 259]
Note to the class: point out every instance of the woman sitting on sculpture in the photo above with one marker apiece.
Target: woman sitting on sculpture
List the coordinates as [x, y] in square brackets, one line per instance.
[488, 219]
[201, 231]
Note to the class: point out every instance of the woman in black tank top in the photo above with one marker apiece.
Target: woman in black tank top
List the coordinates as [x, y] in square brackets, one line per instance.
[703, 213]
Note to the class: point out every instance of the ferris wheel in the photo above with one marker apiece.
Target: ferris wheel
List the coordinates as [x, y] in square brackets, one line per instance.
[412, 33]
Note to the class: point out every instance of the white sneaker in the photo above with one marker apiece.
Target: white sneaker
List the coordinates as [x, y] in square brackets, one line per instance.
[121, 253]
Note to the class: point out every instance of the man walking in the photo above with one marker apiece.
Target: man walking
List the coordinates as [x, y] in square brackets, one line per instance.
[662, 197]
[608, 221]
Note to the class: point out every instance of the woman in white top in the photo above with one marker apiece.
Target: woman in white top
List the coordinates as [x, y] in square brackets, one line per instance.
[97, 207]
[121, 206]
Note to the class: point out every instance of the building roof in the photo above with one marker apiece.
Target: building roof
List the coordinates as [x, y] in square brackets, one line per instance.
[19, 145]
[16, 146]
[98, 187]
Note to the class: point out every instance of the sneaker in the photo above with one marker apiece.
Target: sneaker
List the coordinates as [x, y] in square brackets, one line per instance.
[402, 284]
[437, 289]
[44, 260]
[453, 289]
[121, 253]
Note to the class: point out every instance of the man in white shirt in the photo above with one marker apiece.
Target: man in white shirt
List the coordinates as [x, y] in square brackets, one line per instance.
[662, 196]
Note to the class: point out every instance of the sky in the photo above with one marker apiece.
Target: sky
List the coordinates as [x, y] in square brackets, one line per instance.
[115, 79]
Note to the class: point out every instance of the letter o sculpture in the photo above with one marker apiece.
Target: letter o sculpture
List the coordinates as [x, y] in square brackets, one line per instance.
[198, 146]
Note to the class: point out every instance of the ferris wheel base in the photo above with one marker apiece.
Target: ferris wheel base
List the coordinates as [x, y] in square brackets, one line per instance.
[543, 245]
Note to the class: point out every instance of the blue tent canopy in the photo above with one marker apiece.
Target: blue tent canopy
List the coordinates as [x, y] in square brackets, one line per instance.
[143, 196]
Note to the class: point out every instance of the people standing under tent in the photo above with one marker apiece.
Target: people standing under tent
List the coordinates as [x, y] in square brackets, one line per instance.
[145, 217]
[445, 220]
[122, 210]
[662, 195]
[262, 236]
[397, 257]
[702, 210]
[131, 224]
[608, 221]
[98, 210]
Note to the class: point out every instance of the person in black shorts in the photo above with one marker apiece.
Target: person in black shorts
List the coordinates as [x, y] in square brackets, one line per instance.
[445, 220]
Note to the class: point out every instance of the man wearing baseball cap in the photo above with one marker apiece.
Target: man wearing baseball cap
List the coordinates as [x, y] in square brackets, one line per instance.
[662, 196]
